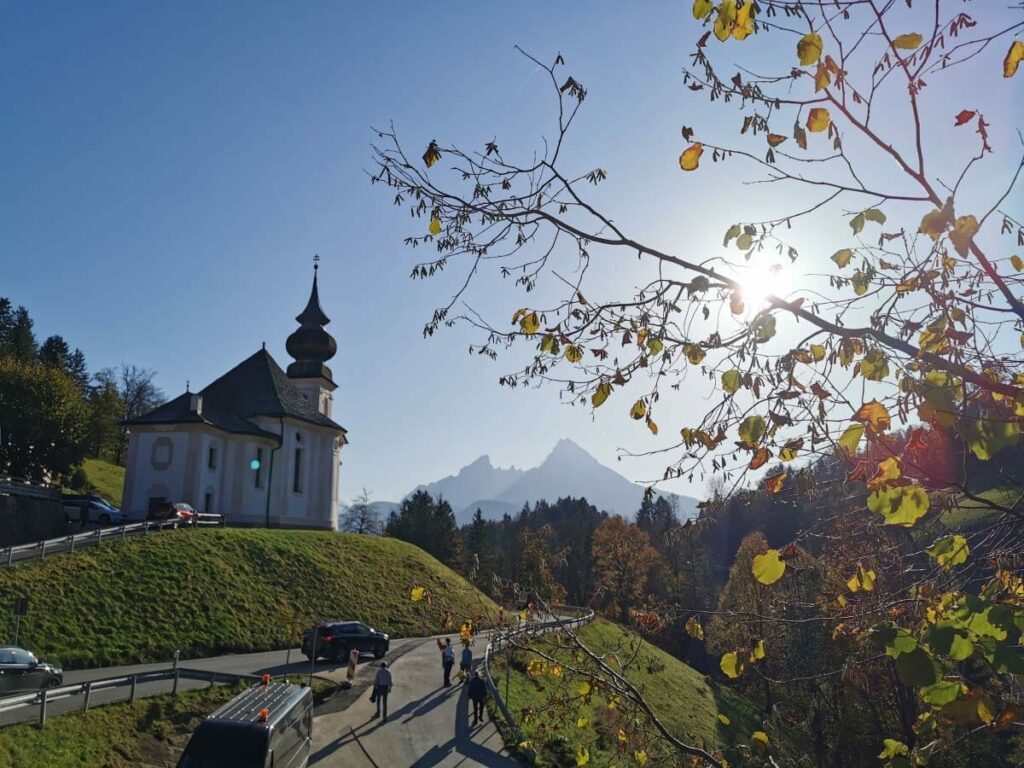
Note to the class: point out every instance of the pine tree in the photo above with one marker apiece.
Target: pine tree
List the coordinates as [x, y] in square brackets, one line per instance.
[22, 338]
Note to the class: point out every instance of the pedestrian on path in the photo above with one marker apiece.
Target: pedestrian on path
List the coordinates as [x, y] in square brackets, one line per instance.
[477, 695]
[381, 689]
[447, 660]
[465, 662]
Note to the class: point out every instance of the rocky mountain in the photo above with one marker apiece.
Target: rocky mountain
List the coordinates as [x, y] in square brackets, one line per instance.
[567, 471]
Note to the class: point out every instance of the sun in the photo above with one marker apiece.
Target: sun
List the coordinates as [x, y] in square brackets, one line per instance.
[760, 279]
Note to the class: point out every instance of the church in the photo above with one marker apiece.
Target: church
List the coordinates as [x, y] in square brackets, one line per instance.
[258, 445]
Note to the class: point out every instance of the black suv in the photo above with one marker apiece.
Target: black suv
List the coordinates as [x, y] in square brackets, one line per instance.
[334, 640]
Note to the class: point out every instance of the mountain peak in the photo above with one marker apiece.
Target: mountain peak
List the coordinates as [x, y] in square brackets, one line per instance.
[566, 449]
[484, 462]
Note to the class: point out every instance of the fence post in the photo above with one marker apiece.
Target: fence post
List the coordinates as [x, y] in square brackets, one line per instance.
[10, 556]
[213, 678]
[177, 656]
[124, 530]
[88, 696]
[42, 546]
[99, 536]
[134, 681]
[72, 543]
[145, 530]
[42, 708]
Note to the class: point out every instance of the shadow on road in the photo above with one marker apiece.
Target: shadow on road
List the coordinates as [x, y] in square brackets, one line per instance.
[463, 743]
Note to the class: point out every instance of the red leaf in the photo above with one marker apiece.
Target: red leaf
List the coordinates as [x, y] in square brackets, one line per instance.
[965, 116]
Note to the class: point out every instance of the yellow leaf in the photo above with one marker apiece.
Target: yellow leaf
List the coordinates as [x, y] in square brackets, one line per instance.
[732, 665]
[435, 226]
[417, 594]
[751, 430]
[821, 78]
[641, 755]
[601, 394]
[867, 579]
[875, 415]
[432, 155]
[529, 323]
[1018, 263]
[908, 42]
[639, 410]
[950, 551]
[623, 736]
[934, 223]
[526, 744]
[760, 737]
[1013, 58]
[774, 139]
[768, 567]
[888, 472]
[583, 689]
[726, 20]
[731, 381]
[842, 258]
[965, 228]
[652, 426]
[774, 483]
[809, 48]
[758, 653]
[556, 670]
[582, 755]
[694, 628]
[690, 158]
[693, 353]
[582, 722]
[744, 24]
[573, 353]
[818, 352]
[724, 720]
[853, 584]
[818, 120]
[701, 9]
[654, 346]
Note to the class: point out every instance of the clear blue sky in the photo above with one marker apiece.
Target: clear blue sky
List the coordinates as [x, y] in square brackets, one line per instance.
[170, 169]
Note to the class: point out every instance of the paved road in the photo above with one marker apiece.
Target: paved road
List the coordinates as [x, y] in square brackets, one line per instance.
[427, 726]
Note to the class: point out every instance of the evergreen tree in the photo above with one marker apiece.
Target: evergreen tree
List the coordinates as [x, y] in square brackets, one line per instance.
[55, 353]
[105, 407]
[6, 326]
[22, 338]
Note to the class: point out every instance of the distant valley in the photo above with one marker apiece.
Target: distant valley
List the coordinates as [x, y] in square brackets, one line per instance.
[567, 471]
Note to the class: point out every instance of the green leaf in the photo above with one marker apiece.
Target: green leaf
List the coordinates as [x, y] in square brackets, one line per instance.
[902, 506]
[875, 215]
[731, 381]
[875, 365]
[850, 439]
[764, 328]
[1009, 660]
[734, 231]
[768, 567]
[752, 429]
[893, 748]
[947, 640]
[861, 281]
[915, 669]
[842, 257]
[987, 437]
[857, 223]
[941, 693]
[950, 551]
[745, 241]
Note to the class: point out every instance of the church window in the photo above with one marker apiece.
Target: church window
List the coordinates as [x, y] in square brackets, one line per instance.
[297, 477]
[211, 460]
[208, 503]
[258, 474]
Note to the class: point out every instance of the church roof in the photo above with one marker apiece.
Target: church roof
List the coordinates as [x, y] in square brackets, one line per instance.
[255, 387]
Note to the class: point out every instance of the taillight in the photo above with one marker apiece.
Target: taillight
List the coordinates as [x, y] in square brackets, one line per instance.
[328, 638]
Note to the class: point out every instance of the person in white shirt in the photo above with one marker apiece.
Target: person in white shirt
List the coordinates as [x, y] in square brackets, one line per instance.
[381, 689]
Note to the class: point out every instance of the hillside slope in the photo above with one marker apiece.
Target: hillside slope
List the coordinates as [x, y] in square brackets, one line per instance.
[687, 702]
[209, 592]
[105, 479]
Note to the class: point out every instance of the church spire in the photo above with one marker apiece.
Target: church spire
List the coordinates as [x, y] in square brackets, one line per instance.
[310, 344]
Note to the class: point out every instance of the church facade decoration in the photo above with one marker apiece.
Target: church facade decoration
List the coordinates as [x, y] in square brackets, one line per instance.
[258, 445]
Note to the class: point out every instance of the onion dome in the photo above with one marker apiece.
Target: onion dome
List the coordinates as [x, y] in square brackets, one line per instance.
[310, 344]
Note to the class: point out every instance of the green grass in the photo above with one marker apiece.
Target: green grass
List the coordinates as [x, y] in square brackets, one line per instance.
[968, 514]
[688, 703]
[148, 732]
[106, 479]
[218, 591]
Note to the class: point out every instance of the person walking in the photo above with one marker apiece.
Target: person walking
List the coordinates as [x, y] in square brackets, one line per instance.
[447, 661]
[381, 689]
[465, 662]
[477, 694]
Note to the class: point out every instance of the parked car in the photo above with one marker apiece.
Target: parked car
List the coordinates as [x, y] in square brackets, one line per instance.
[334, 640]
[170, 510]
[266, 725]
[91, 509]
[22, 672]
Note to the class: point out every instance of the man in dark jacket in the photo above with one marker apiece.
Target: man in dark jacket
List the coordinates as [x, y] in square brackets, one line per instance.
[447, 660]
[477, 694]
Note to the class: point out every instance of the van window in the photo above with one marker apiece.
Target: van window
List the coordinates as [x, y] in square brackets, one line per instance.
[233, 747]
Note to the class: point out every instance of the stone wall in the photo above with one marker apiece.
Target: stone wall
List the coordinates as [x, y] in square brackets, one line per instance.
[24, 519]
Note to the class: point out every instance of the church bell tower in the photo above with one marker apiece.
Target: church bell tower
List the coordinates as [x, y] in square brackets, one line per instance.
[312, 347]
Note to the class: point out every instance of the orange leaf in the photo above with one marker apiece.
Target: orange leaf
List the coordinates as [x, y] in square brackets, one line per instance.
[774, 139]
[875, 415]
[964, 116]
[818, 120]
[774, 483]
[760, 458]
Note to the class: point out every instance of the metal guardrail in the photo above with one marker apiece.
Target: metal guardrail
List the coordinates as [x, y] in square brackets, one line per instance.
[12, 486]
[502, 640]
[39, 550]
[86, 690]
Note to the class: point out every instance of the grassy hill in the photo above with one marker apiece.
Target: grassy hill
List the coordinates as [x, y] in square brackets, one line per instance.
[106, 479]
[209, 592]
[687, 702]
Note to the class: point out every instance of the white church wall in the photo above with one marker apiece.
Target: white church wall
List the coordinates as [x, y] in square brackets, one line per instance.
[158, 468]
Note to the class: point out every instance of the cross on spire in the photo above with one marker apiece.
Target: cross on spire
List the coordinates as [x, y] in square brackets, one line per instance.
[316, 262]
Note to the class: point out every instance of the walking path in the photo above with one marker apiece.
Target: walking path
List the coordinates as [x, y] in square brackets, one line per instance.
[427, 725]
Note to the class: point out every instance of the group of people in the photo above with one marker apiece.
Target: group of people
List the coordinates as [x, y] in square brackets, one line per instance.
[476, 688]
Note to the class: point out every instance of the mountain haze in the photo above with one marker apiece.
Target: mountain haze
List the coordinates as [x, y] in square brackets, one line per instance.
[567, 471]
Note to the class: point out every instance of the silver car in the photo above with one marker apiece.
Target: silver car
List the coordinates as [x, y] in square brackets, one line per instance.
[22, 672]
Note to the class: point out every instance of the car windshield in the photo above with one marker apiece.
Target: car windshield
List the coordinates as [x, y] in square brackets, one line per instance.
[218, 747]
[104, 504]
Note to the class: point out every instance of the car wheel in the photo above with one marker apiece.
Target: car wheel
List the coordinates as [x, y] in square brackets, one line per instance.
[54, 682]
[378, 652]
[340, 653]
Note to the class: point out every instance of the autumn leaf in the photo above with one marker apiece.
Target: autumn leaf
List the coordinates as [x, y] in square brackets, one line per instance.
[731, 381]
[760, 737]
[1017, 262]
[818, 120]
[743, 27]
[935, 223]
[760, 458]
[694, 628]
[874, 366]
[732, 664]
[875, 415]
[774, 139]
[820, 392]
[888, 471]
[752, 429]
[908, 42]
[641, 754]
[432, 155]
[573, 353]
[964, 116]
[601, 394]
[582, 755]
[764, 328]
[690, 158]
[808, 48]
[652, 426]
[693, 353]
[654, 346]
[757, 653]
[818, 352]
[529, 323]
[726, 20]
[417, 593]
[435, 226]
[950, 551]
[821, 78]
[902, 506]
[583, 689]
[842, 257]
[736, 305]
[965, 228]
[701, 9]
[774, 483]
[582, 722]
[1013, 58]
[724, 720]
